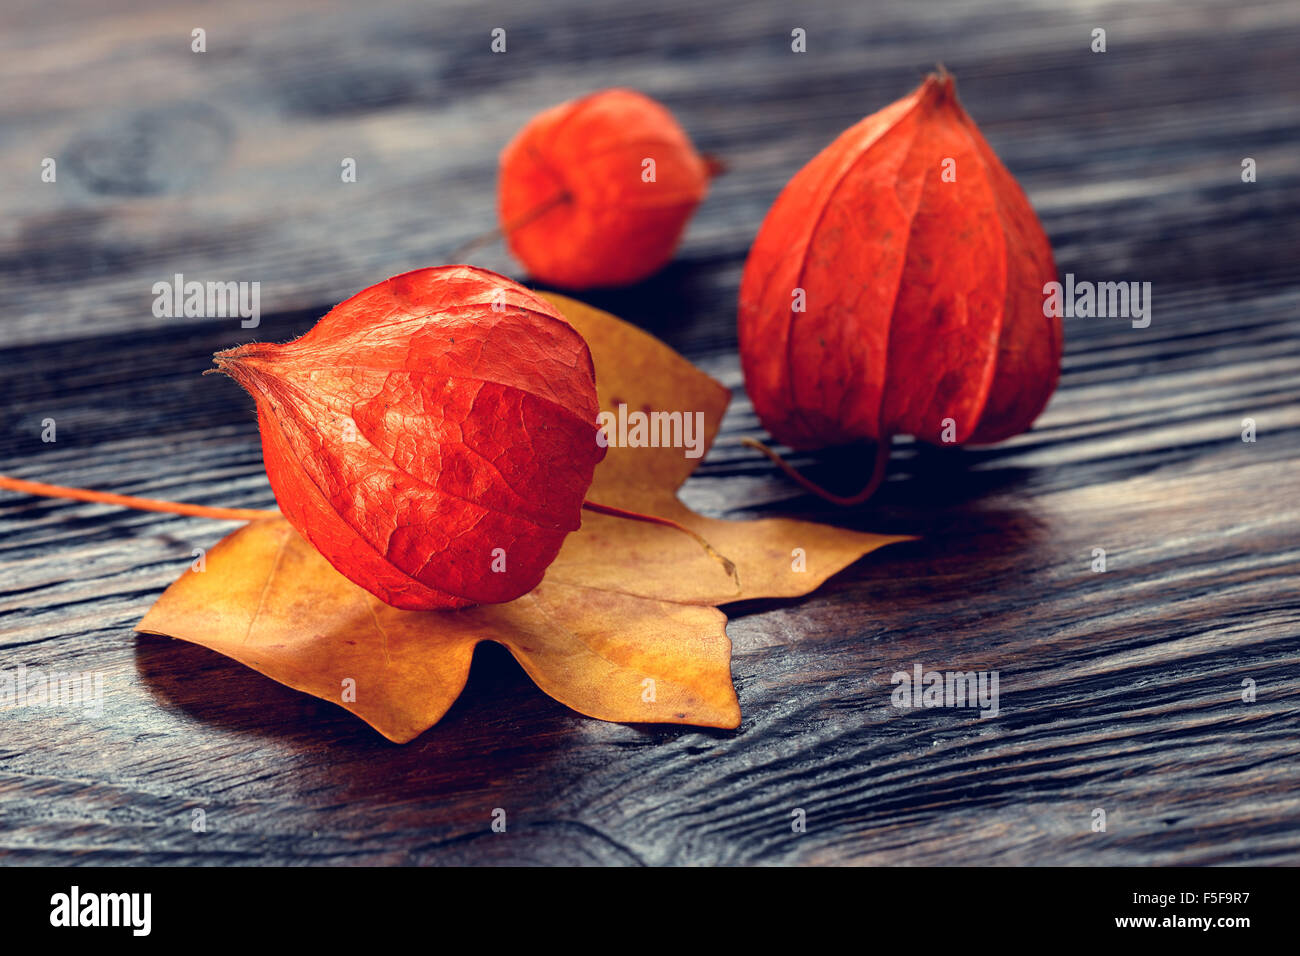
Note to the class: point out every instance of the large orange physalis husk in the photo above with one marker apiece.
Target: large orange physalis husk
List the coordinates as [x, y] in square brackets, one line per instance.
[921, 266]
[433, 436]
[576, 203]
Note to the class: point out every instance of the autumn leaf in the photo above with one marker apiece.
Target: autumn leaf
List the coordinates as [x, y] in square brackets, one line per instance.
[624, 626]
[270, 601]
[635, 369]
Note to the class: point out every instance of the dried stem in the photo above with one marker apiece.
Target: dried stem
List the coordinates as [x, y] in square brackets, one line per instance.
[877, 474]
[715, 166]
[253, 514]
[518, 222]
[139, 504]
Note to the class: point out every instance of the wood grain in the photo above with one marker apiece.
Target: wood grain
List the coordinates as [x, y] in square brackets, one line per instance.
[1120, 690]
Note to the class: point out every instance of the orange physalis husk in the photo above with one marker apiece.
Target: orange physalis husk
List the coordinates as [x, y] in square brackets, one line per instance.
[597, 191]
[433, 436]
[897, 287]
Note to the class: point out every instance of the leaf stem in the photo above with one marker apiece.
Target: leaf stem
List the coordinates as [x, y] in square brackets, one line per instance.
[43, 490]
[727, 564]
[877, 473]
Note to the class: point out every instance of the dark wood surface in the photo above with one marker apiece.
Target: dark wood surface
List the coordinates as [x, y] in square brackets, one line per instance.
[1120, 690]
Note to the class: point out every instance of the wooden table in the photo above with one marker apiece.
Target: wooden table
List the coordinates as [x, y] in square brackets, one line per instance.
[1120, 690]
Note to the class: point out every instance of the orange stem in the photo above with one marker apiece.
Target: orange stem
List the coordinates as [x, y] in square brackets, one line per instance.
[139, 504]
[43, 490]
[877, 474]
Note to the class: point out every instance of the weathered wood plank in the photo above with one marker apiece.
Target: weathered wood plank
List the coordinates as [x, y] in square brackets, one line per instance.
[1120, 690]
